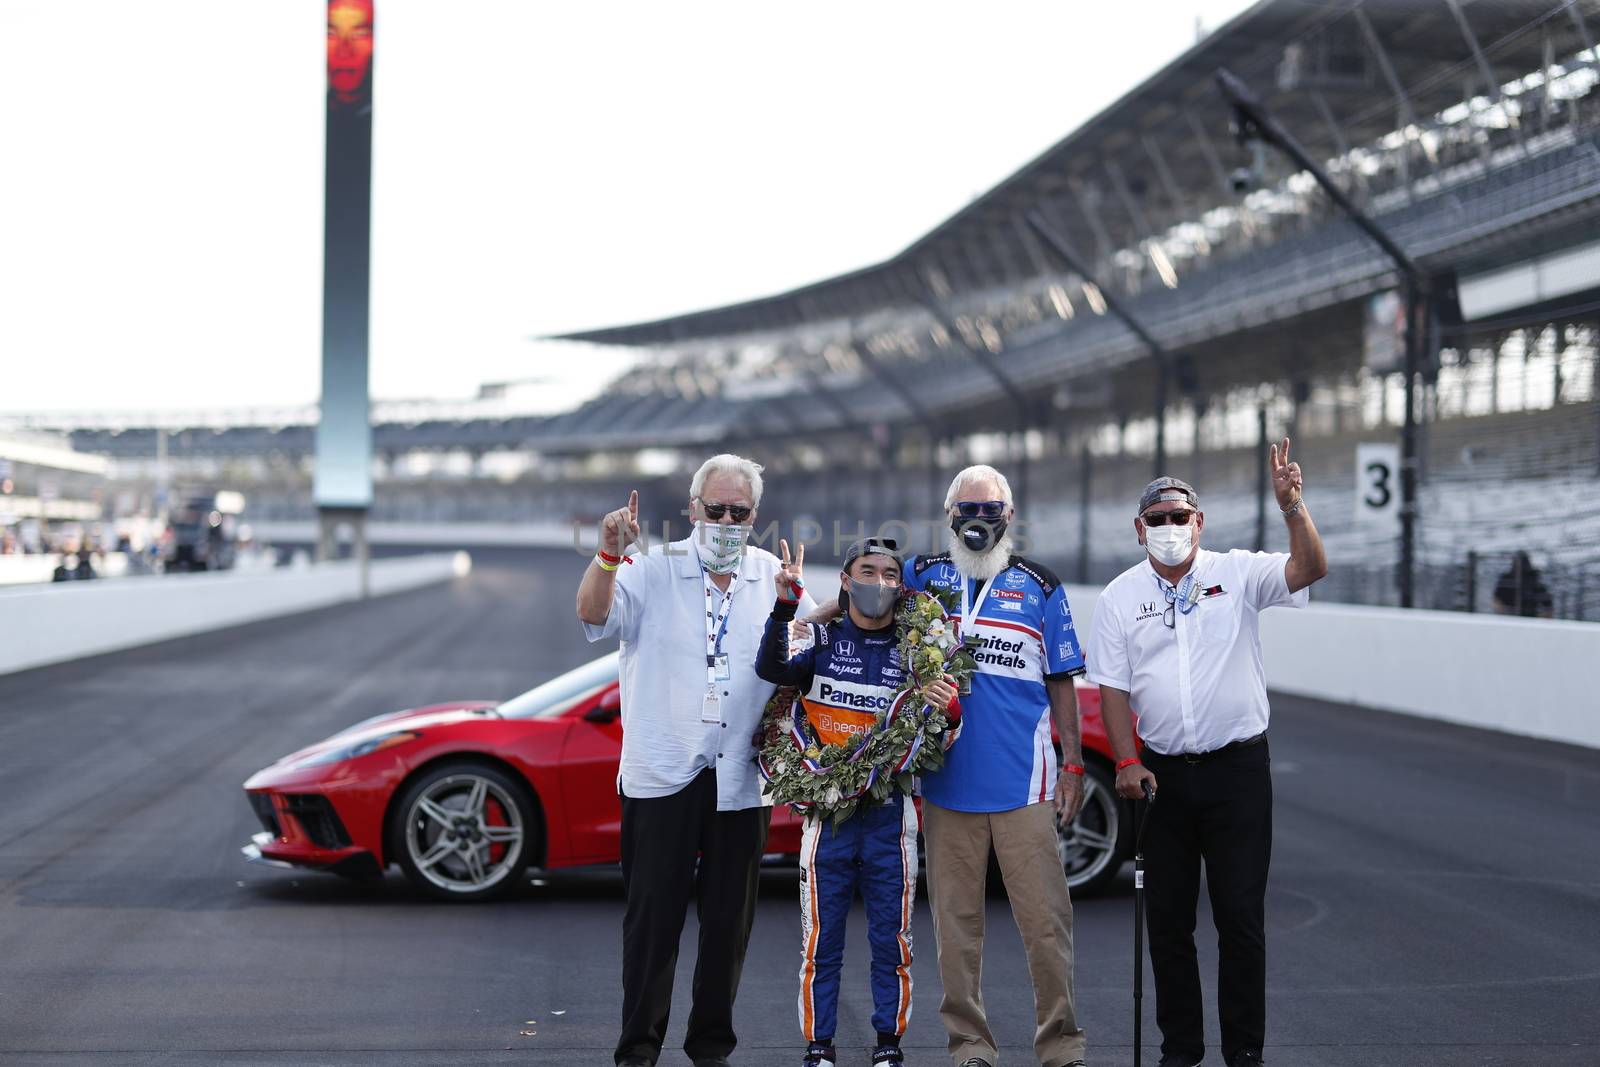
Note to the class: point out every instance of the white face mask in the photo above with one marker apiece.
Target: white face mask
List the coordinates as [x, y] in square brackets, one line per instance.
[720, 546]
[1169, 544]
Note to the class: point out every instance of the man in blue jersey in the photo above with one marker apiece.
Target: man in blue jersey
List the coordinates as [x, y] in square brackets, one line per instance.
[848, 674]
[1000, 786]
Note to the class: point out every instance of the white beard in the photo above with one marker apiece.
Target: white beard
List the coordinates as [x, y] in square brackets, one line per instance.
[979, 565]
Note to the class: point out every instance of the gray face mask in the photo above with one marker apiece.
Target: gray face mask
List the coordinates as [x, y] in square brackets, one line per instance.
[873, 600]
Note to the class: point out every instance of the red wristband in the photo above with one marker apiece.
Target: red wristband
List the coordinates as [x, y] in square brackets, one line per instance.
[1071, 768]
[1129, 762]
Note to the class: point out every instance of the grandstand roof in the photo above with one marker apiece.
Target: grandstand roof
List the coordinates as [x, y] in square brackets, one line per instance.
[1339, 73]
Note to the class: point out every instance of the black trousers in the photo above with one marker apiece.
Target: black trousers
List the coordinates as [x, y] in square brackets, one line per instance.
[661, 838]
[1217, 811]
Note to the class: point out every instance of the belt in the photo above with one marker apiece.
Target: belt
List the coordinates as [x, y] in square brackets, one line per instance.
[1201, 757]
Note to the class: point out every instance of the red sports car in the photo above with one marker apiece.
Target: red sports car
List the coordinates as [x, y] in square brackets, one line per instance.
[464, 796]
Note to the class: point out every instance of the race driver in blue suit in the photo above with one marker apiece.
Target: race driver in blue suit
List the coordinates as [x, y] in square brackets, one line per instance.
[1001, 785]
[846, 676]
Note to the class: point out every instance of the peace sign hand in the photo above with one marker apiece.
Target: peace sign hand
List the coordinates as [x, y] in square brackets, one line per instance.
[1287, 483]
[620, 528]
[789, 581]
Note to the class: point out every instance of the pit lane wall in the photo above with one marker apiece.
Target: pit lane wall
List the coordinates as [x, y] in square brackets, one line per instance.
[46, 624]
[1520, 676]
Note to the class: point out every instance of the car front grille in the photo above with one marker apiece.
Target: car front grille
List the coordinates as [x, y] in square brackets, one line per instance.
[261, 803]
[316, 816]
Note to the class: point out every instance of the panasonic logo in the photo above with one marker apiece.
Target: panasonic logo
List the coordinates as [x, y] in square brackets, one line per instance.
[851, 698]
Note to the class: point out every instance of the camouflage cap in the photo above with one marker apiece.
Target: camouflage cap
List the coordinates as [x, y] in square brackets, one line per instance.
[1168, 488]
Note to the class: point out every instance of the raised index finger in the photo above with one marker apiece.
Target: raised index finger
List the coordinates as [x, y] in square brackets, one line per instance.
[633, 504]
[1273, 461]
[783, 552]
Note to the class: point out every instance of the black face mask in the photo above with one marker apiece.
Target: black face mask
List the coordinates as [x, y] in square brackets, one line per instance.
[979, 535]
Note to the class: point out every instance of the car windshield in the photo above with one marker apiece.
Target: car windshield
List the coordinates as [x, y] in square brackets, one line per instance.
[561, 692]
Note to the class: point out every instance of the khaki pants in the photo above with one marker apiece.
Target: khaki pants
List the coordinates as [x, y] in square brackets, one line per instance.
[1024, 841]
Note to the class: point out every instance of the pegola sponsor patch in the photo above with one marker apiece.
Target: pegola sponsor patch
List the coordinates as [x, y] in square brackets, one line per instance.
[836, 726]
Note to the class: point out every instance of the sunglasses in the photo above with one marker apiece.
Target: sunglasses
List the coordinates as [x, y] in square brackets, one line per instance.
[716, 511]
[980, 509]
[1178, 517]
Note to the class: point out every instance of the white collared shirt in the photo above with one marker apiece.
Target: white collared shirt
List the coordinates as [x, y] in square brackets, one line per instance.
[1199, 685]
[659, 611]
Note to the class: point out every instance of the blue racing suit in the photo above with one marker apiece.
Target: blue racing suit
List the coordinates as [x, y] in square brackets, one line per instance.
[845, 678]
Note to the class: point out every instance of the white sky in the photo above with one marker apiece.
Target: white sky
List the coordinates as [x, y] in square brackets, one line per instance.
[538, 167]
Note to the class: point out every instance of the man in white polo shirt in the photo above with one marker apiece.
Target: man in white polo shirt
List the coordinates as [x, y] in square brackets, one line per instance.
[690, 615]
[1176, 638]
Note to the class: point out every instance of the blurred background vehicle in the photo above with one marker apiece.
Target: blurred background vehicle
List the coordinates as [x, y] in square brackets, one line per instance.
[203, 532]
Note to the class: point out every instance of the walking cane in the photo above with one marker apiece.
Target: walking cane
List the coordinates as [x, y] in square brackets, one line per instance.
[1138, 925]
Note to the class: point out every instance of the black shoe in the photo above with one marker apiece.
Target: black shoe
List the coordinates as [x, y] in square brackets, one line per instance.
[888, 1056]
[1246, 1057]
[819, 1054]
[634, 1061]
[1179, 1059]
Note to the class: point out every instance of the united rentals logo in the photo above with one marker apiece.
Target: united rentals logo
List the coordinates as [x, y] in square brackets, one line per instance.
[1000, 653]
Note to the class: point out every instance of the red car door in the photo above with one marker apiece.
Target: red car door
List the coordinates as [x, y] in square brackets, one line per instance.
[592, 809]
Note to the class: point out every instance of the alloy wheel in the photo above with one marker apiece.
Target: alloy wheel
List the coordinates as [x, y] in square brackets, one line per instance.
[464, 833]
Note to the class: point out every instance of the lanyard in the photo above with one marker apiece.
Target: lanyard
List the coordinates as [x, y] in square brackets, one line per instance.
[716, 623]
[983, 596]
[1186, 592]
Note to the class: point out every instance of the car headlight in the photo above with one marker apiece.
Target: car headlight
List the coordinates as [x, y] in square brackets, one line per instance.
[361, 748]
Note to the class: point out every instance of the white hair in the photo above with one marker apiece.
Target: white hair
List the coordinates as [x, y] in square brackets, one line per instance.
[727, 463]
[981, 472]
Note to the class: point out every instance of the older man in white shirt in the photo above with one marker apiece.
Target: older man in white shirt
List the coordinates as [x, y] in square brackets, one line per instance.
[690, 615]
[1176, 638]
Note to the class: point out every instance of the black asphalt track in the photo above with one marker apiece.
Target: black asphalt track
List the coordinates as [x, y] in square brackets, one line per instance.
[1435, 891]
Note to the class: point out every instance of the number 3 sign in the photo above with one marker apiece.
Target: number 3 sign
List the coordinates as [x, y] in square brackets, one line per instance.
[1377, 483]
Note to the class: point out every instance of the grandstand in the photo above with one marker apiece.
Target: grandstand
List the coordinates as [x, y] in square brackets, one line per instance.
[1469, 129]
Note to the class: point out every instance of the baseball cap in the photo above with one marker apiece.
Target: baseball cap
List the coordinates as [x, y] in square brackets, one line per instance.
[872, 546]
[1167, 488]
